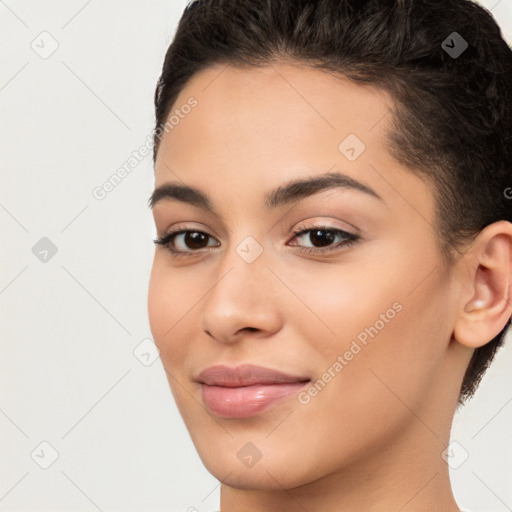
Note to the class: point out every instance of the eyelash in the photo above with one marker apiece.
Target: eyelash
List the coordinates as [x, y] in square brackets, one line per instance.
[350, 240]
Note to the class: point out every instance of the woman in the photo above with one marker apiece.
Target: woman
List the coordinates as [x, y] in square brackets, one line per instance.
[332, 270]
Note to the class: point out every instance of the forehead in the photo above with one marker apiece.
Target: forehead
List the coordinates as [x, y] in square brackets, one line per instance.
[277, 106]
[254, 128]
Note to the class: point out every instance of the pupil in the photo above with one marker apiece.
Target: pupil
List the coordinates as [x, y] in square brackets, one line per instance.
[316, 236]
[193, 240]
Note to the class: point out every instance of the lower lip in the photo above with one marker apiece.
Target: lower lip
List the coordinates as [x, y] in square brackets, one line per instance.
[246, 401]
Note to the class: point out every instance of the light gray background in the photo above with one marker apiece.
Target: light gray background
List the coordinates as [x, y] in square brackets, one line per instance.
[69, 325]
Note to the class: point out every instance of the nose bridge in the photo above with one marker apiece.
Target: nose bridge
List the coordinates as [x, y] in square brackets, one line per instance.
[243, 264]
[241, 275]
[239, 298]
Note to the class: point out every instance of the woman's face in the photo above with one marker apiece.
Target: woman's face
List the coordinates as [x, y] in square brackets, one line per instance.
[369, 322]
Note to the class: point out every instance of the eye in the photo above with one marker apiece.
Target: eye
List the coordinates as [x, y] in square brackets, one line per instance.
[185, 239]
[188, 242]
[322, 238]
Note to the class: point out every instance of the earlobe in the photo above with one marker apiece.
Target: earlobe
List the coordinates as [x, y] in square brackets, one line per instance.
[486, 302]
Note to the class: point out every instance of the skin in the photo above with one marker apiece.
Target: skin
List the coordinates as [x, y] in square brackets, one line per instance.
[372, 438]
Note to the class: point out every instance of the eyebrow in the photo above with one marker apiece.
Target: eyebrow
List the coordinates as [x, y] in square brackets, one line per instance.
[284, 194]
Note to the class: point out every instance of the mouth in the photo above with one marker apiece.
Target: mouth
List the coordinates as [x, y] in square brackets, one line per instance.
[246, 390]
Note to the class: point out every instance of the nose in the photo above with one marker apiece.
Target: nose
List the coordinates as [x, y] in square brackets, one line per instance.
[242, 300]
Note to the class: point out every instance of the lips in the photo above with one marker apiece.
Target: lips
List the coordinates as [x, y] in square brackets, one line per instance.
[246, 390]
[245, 375]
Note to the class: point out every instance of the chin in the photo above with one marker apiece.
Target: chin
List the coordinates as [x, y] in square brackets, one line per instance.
[279, 467]
[268, 477]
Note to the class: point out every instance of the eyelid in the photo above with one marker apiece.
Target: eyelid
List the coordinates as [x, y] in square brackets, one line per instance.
[326, 224]
[183, 226]
[304, 226]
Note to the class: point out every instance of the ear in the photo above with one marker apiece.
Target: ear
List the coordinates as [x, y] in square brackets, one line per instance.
[486, 278]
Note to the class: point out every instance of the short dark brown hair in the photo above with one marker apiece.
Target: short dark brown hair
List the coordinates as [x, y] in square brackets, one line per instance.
[452, 117]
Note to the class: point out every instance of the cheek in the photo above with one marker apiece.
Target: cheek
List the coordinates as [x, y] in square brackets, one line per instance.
[386, 361]
[378, 319]
[340, 303]
[172, 320]
[170, 309]
[157, 301]
[393, 347]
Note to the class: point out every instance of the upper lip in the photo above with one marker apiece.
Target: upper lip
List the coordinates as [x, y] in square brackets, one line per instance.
[245, 375]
